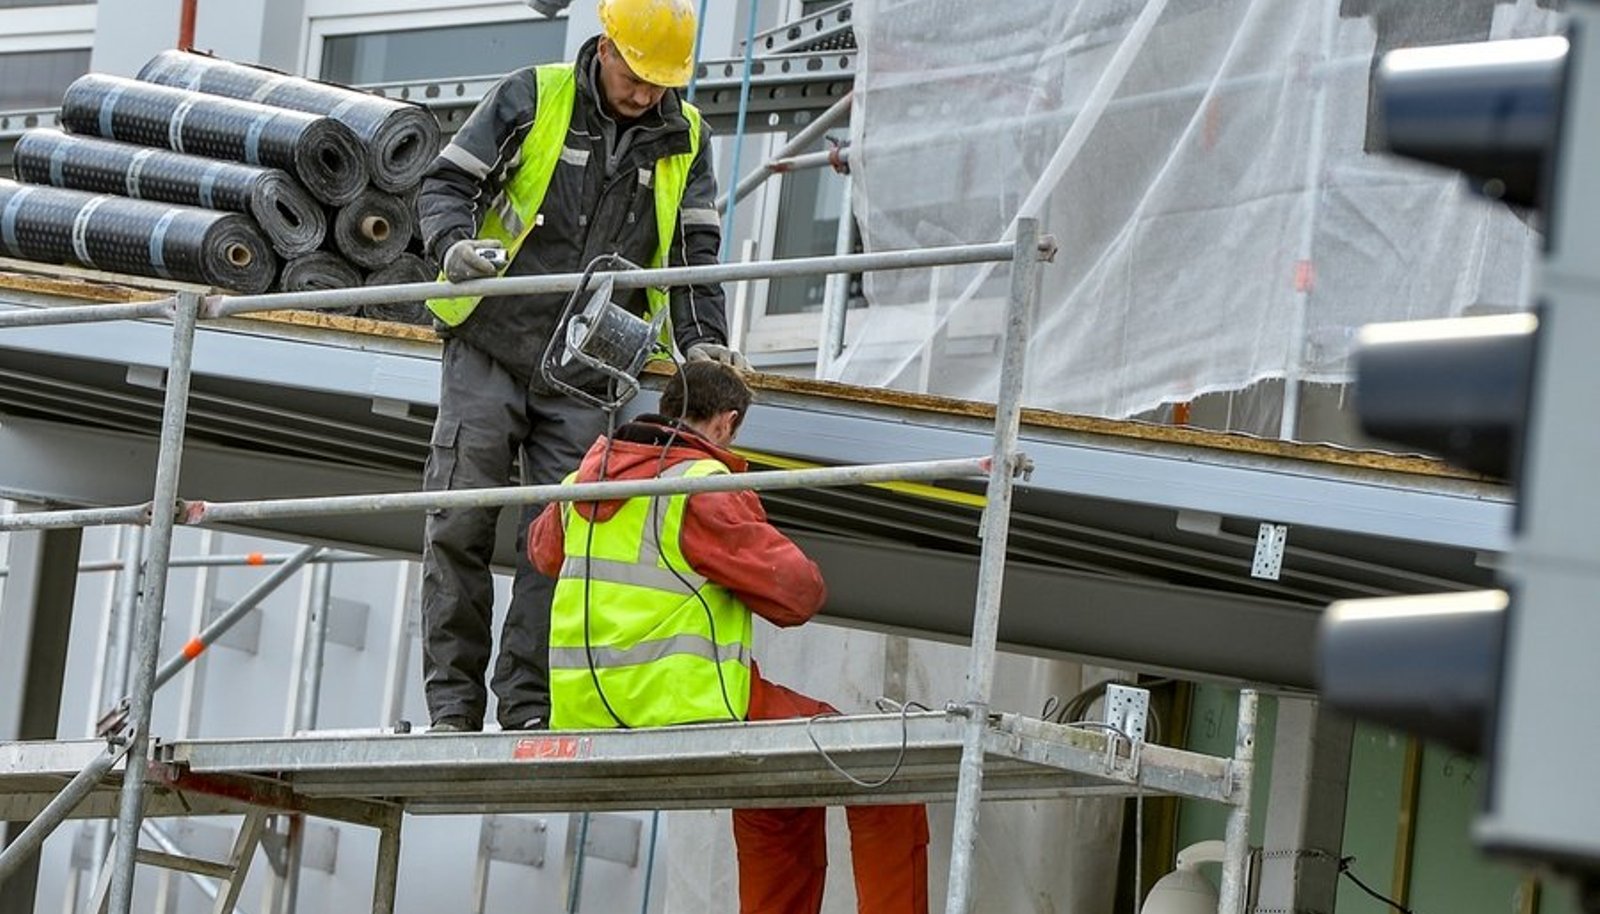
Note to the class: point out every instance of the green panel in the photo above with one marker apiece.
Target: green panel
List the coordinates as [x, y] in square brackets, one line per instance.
[1372, 817]
[1213, 720]
[1448, 872]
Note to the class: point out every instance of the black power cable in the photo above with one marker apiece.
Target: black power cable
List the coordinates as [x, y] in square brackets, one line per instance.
[1344, 870]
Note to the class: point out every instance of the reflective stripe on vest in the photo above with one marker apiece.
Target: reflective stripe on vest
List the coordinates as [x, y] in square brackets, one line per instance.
[659, 654]
[513, 215]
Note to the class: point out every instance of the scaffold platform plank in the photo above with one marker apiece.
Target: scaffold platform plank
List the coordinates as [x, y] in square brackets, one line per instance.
[352, 776]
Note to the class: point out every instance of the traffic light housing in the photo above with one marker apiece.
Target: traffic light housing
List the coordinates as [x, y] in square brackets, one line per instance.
[1511, 673]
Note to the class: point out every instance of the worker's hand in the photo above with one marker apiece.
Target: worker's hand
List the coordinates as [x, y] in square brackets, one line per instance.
[465, 259]
[712, 352]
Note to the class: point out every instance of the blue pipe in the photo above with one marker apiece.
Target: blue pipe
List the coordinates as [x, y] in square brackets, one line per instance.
[738, 133]
[699, 40]
[650, 861]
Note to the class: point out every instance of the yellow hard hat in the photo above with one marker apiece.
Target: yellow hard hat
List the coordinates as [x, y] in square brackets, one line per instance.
[655, 37]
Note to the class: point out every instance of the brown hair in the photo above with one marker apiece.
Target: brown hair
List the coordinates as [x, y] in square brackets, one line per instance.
[703, 390]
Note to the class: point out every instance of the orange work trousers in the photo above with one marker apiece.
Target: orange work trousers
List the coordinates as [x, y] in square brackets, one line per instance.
[783, 853]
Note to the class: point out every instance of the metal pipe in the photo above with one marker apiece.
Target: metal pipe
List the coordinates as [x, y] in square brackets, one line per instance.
[650, 860]
[76, 517]
[808, 134]
[1003, 467]
[836, 299]
[86, 314]
[395, 675]
[173, 424]
[246, 559]
[831, 158]
[229, 305]
[206, 885]
[699, 42]
[575, 883]
[186, 25]
[1305, 265]
[913, 471]
[738, 130]
[321, 585]
[122, 661]
[231, 616]
[56, 811]
[388, 868]
[105, 662]
[1236, 839]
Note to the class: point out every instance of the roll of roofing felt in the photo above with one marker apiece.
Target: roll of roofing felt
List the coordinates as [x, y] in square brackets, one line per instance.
[319, 270]
[401, 139]
[322, 153]
[52, 225]
[405, 268]
[293, 221]
[373, 229]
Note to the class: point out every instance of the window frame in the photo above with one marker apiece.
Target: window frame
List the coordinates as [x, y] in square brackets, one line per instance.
[33, 29]
[341, 22]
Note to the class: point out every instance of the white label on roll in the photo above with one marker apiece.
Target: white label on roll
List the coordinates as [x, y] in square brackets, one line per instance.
[175, 127]
[8, 219]
[343, 108]
[158, 242]
[267, 88]
[135, 169]
[80, 230]
[208, 183]
[252, 137]
[58, 172]
[106, 107]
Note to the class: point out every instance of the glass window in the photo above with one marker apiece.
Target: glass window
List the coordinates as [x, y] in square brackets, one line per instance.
[36, 79]
[451, 52]
[808, 225]
[9, 4]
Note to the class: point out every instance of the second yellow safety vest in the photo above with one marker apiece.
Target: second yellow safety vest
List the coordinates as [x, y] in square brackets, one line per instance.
[657, 644]
[512, 216]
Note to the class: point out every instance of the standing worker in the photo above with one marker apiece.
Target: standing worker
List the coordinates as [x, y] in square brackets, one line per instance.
[557, 166]
[652, 627]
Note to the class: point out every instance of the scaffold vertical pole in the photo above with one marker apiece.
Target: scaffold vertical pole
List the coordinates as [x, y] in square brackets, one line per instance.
[154, 592]
[1025, 266]
[1236, 853]
[388, 876]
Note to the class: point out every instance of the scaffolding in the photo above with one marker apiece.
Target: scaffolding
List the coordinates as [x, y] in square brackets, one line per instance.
[373, 779]
[799, 76]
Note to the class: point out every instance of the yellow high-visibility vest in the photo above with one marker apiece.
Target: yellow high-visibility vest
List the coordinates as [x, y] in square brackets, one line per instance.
[511, 217]
[657, 643]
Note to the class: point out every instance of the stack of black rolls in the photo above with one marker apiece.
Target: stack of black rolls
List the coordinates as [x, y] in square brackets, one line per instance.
[246, 179]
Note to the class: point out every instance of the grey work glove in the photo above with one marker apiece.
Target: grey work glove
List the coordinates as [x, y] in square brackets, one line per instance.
[464, 260]
[712, 352]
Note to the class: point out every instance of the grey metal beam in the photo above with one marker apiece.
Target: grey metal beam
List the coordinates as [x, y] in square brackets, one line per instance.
[35, 625]
[1046, 611]
[1448, 512]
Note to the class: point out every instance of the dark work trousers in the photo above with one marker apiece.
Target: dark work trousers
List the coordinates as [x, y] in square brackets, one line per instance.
[486, 421]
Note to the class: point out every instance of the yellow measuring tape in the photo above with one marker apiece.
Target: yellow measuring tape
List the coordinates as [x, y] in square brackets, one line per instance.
[913, 489]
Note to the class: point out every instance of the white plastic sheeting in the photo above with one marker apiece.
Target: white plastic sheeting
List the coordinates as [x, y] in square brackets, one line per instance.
[1204, 166]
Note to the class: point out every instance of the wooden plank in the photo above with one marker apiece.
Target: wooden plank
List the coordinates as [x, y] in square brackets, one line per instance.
[345, 323]
[87, 286]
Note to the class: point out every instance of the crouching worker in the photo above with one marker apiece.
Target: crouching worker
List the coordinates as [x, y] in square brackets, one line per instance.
[651, 626]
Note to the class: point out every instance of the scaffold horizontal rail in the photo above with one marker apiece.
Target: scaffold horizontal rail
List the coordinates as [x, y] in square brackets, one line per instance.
[201, 512]
[218, 306]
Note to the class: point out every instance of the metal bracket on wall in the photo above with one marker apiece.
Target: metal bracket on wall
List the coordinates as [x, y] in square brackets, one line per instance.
[1270, 542]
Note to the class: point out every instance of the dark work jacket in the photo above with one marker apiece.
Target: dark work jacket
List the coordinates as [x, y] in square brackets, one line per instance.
[597, 203]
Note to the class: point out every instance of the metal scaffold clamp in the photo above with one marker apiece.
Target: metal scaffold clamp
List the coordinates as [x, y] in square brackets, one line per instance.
[113, 725]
